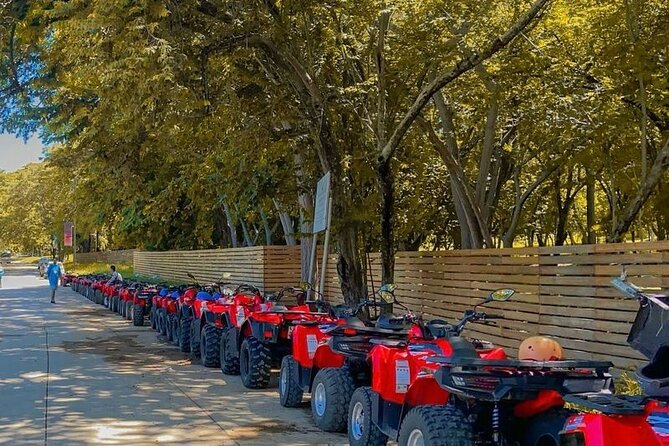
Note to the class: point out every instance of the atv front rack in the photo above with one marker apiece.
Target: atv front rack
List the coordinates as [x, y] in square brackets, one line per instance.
[610, 404]
[496, 380]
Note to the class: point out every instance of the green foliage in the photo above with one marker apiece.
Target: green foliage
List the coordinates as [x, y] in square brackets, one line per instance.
[162, 112]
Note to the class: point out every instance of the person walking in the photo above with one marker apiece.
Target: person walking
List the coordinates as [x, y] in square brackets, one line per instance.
[53, 273]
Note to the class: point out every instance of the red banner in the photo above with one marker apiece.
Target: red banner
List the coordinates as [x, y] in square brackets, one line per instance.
[69, 228]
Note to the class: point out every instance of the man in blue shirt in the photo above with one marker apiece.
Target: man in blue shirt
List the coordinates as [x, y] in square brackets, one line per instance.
[53, 273]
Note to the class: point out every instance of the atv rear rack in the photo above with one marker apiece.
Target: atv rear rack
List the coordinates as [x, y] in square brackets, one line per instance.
[495, 380]
[610, 404]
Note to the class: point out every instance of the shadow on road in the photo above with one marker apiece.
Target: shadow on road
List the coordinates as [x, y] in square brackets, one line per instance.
[112, 383]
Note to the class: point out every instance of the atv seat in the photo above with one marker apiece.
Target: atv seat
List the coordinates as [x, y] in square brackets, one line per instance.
[390, 322]
[462, 348]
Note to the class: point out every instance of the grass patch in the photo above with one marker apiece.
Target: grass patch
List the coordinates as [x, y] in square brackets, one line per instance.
[28, 260]
[125, 269]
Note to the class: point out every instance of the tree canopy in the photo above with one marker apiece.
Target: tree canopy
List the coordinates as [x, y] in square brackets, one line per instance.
[203, 123]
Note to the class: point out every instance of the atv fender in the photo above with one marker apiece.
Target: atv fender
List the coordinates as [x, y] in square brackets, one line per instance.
[225, 319]
[244, 331]
[209, 318]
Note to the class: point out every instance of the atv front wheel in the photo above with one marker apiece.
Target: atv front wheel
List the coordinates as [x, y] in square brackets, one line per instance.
[436, 426]
[137, 315]
[128, 310]
[330, 397]
[210, 342]
[114, 304]
[290, 391]
[195, 339]
[184, 334]
[228, 354]
[169, 329]
[174, 323]
[153, 318]
[361, 429]
[255, 361]
[162, 321]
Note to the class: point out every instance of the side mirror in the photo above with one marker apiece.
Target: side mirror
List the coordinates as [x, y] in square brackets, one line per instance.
[501, 295]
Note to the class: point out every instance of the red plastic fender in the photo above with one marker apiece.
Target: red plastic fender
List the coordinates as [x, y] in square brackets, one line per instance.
[309, 348]
[395, 369]
[545, 400]
[619, 430]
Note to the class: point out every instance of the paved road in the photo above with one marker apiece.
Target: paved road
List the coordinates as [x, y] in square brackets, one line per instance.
[76, 374]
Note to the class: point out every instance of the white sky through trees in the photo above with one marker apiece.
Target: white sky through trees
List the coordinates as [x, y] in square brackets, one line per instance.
[15, 153]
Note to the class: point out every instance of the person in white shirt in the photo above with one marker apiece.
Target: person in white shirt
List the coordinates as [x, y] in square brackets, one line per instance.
[115, 277]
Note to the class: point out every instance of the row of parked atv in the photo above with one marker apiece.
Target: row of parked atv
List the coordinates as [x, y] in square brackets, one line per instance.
[382, 377]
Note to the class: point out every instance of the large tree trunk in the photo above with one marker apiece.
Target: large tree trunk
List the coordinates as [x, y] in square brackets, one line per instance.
[350, 266]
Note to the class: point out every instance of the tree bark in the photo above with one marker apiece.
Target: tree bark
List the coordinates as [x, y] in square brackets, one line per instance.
[384, 170]
[590, 206]
[269, 236]
[286, 224]
[510, 233]
[629, 214]
[231, 223]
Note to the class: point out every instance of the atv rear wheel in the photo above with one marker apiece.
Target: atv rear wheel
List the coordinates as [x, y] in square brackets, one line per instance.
[436, 426]
[255, 364]
[228, 354]
[210, 342]
[361, 429]
[544, 429]
[290, 391]
[330, 397]
[195, 339]
[184, 334]
[137, 315]
[128, 310]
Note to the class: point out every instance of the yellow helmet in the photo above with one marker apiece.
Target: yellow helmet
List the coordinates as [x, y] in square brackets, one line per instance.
[540, 348]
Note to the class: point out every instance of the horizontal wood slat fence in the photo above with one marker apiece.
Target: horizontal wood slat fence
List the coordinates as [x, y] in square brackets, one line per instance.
[563, 292]
[267, 267]
[111, 257]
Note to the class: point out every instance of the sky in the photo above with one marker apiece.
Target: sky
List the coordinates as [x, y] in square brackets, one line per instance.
[14, 153]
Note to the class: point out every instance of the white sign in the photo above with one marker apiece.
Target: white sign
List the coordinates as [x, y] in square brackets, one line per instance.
[321, 206]
[312, 345]
[402, 376]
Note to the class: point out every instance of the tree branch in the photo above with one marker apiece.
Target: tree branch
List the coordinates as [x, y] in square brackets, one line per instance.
[460, 68]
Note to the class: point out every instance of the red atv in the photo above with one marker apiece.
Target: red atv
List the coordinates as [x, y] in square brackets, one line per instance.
[244, 300]
[261, 338]
[440, 389]
[311, 352]
[631, 420]
[141, 303]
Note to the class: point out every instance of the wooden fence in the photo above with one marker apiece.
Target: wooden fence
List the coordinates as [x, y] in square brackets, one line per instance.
[266, 267]
[563, 292]
[111, 257]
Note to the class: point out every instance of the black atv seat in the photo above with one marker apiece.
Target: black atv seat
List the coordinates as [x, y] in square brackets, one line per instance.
[462, 348]
[390, 322]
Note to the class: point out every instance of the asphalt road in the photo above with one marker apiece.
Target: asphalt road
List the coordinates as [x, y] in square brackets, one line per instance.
[76, 374]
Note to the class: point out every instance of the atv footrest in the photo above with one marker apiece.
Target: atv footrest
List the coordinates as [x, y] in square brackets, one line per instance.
[609, 404]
